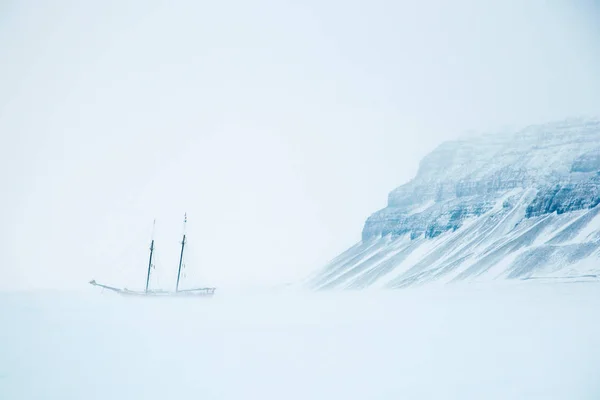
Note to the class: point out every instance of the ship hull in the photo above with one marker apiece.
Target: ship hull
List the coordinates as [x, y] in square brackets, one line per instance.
[199, 292]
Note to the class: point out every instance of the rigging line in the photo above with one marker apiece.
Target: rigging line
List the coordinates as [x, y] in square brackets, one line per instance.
[134, 243]
[156, 276]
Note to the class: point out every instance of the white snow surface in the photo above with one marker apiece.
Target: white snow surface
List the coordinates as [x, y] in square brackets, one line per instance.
[502, 340]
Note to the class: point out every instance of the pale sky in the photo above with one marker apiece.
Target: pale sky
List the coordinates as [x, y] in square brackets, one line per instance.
[278, 126]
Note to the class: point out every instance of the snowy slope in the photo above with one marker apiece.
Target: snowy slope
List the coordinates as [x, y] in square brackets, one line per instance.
[519, 206]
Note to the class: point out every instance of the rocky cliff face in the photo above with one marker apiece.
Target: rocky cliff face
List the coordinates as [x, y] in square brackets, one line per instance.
[518, 205]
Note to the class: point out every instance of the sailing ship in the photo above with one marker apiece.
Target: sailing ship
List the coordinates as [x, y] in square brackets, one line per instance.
[204, 292]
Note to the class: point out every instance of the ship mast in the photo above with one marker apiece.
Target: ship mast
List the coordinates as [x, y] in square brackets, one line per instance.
[151, 252]
[181, 255]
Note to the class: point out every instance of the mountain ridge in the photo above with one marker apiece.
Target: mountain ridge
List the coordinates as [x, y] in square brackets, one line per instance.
[519, 205]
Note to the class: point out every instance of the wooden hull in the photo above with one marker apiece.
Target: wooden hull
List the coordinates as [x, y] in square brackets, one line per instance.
[200, 292]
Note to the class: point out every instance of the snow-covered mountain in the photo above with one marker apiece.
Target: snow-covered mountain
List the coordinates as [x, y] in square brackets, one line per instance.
[517, 205]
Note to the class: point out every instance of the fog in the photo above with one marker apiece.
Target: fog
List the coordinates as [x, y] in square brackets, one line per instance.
[277, 126]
